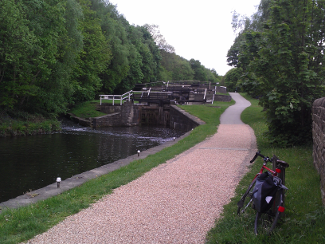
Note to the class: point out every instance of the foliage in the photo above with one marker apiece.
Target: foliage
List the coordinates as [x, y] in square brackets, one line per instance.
[199, 70]
[93, 59]
[159, 39]
[57, 53]
[301, 224]
[281, 60]
[178, 67]
[13, 123]
[231, 79]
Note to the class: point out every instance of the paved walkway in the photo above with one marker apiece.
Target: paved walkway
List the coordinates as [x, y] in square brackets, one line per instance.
[176, 202]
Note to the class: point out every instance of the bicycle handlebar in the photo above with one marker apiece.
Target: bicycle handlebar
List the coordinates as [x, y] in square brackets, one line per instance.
[261, 155]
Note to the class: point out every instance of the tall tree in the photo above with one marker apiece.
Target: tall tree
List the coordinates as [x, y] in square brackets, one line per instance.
[17, 44]
[159, 38]
[199, 70]
[94, 57]
[34, 36]
[284, 62]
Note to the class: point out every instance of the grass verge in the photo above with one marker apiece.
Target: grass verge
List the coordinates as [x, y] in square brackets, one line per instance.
[23, 124]
[87, 109]
[304, 215]
[17, 225]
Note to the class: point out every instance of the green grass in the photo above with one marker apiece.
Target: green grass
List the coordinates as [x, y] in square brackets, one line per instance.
[303, 222]
[87, 109]
[16, 127]
[17, 225]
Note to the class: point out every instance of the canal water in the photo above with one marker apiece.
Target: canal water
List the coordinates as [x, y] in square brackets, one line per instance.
[32, 162]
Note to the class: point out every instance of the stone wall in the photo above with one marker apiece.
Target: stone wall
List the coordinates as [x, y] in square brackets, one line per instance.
[319, 140]
[181, 120]
[222, 98]
[130, 115]
[125, 115]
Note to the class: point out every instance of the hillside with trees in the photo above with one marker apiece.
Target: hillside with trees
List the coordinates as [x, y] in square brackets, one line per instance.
[278, 56]
[57, 53]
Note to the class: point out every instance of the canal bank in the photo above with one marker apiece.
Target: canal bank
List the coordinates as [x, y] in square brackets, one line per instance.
[76, 180]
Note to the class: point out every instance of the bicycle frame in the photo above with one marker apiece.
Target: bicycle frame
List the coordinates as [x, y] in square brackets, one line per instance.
[274, 173]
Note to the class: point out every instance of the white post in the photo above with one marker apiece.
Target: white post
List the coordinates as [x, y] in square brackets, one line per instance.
[113, 99]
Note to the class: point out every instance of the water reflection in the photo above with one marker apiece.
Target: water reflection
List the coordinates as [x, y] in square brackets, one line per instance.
[33, 162]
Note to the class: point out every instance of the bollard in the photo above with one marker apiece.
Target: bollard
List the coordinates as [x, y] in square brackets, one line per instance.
[58, 181]
[174, 138]
[138, 153]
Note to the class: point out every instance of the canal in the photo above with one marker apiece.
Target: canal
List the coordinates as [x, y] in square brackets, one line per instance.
[32, 162]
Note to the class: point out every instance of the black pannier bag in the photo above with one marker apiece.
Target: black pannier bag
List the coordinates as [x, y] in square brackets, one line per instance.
[264, 192]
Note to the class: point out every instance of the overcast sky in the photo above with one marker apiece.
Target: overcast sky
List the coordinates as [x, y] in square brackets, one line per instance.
[199, 29]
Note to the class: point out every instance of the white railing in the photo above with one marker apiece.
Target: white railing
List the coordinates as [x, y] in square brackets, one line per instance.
[125, 96]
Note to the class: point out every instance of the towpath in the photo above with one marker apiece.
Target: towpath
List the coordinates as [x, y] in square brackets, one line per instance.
[176, 202]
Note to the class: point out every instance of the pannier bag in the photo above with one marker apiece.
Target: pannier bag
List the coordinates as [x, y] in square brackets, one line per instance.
[264, 192]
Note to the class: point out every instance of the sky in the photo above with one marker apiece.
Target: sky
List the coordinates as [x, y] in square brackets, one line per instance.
[198, 29]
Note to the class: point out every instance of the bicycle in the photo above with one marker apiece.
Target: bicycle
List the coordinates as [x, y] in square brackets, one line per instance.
[273, 202]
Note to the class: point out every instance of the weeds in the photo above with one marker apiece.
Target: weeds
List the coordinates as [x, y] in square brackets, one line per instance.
[17, 123]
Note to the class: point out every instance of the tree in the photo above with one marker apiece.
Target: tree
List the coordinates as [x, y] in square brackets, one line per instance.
[35, 50]
[231, 79]
[284, 63]
[159, 38]
[94, 57]
[176, 67]
[17, 43]
[199, 70]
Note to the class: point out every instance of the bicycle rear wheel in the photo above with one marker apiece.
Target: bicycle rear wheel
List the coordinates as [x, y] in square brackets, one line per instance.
[246, 199]
[266, 222]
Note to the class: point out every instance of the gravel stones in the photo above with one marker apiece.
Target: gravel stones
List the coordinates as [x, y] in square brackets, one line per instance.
[176, 202]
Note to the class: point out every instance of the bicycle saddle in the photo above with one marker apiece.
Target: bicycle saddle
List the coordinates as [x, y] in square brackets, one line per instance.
[282, 163]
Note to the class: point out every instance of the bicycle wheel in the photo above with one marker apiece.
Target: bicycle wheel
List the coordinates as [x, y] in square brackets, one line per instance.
[266, 222]
[246, 199]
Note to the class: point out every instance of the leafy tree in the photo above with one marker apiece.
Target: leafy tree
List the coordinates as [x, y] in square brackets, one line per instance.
[119, 67]
[93, 59]
[35, 44]
[199, 70]
[231, 79]
[150, 57]
[216, 76]
[159, 38]
[211, 75]
[283, 63]
[177, 67]
[17, 43]
[135, 74]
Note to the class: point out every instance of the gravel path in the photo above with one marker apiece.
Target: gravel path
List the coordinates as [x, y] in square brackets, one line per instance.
[176, 202]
